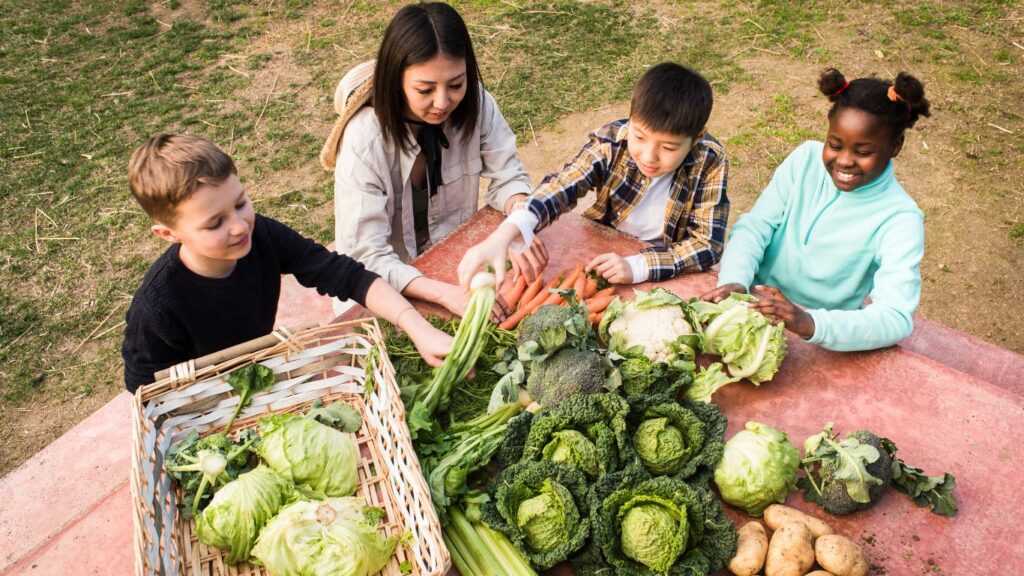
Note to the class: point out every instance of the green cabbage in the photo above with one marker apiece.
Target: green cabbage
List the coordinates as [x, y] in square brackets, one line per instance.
[547, 519]
[542, 507]
[655, 526]
[320, 460]
[750, 345]
[757, 469]
[336, 537]
[654, 531]
[239, 510]
[573, 448]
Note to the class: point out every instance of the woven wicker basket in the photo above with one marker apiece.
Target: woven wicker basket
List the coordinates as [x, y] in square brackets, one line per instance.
[318, 363]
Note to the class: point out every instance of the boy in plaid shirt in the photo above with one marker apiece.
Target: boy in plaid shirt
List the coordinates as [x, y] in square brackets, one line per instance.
[658, 176]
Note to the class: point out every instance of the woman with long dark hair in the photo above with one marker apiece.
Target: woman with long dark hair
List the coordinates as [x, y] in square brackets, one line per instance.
[416, 131]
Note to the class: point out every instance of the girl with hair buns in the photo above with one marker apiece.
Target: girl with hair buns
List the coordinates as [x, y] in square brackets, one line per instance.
[833, 245]
[416, 131]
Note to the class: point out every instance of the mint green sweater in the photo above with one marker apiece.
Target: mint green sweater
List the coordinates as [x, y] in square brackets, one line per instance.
[828, 250]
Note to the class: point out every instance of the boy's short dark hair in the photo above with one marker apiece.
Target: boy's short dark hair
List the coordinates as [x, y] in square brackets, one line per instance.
[672, 98]
[168, 168]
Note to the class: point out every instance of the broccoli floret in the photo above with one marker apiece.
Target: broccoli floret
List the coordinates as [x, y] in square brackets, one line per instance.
[833, 496]
[552, 328]
[569, 371]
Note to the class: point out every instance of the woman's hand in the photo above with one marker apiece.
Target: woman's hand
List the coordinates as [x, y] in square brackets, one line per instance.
[612, 268]
[531, 262]
[492, 251]
[773, 304]
[722, 292]
[455, 299]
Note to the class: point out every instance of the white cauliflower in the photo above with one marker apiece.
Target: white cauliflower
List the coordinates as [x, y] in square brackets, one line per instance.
[653, 328]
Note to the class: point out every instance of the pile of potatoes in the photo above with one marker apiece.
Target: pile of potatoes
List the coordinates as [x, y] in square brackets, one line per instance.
[798, 542]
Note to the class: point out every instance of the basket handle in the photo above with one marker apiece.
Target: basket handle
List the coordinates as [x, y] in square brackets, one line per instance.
[254, 345]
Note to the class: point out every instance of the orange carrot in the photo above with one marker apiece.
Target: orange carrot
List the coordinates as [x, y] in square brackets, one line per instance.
[580, 285]
[532, 290]
[527, 308]
[596, 304]
[565, 285]
[516, 293]
[595, 318]
[589, 289]
[600, 301]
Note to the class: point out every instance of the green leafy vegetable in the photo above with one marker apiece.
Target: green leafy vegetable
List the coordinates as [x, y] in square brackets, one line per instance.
[338, 536]
[338, 415]
[239, 511]
[470, 339]
[201, 466]
[844, 475]
[542, 508]
[673, 439]
[574, 449]
[597, 419]
[645, 382]
[247, 381]
[750, 345]
[661, 526]
[934, 492]
[708, 381]
[757, 468]
[477, 549]
[319, 459]
[464, 448]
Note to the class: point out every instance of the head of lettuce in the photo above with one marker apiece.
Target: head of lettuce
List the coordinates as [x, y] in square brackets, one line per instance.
[337, 536]
[321, 461]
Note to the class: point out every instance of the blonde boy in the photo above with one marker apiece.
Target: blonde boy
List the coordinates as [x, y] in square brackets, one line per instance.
[218, 283]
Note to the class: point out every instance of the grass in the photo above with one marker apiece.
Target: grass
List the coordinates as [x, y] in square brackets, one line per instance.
[85, 82]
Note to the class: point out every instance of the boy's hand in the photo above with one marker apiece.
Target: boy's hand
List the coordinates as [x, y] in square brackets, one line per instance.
[722, 292]
[773, 304]
[432, 344]
[612, 267]
[492, 251]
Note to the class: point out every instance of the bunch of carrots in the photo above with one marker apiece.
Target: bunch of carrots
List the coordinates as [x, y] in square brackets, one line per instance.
[524, 298]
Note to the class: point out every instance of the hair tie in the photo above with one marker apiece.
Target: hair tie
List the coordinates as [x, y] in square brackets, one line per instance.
[846, 84]
[893, 95]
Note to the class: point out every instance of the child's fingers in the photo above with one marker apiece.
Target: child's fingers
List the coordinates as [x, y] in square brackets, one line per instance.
[596, 261]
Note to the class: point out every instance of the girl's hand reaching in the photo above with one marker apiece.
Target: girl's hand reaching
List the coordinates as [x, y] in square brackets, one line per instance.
[722, 292]
[773, 304]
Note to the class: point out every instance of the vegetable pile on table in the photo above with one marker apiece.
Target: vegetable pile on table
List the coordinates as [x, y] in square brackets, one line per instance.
[569, 442]
[283, 497]
[592, 439]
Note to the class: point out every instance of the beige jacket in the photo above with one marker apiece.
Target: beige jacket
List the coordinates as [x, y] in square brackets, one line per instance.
[373, 196]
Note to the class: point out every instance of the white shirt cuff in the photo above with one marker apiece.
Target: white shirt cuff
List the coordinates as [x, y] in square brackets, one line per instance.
[638, 267]
[526, 221]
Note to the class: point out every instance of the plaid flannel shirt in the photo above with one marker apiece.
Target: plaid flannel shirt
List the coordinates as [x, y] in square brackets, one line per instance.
[695, 219]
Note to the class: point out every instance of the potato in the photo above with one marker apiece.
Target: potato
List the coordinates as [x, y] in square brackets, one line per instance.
[820, 573]
[776, 515]
[791, 551]
[750, 551]
[840, 556]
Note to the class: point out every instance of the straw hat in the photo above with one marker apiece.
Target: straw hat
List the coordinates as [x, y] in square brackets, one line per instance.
[353, 92]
